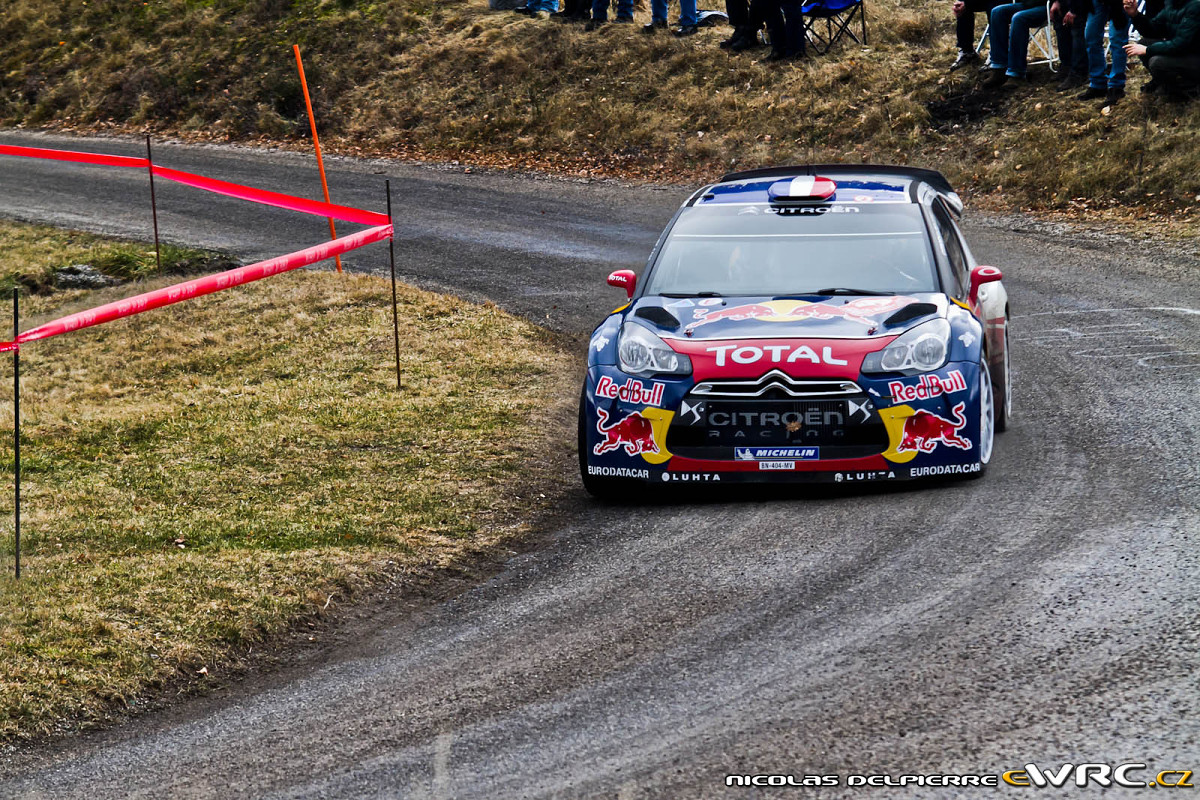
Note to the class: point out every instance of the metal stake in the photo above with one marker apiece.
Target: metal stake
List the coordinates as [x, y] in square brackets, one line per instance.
[392, 256]
[16, 439]
[153, 204]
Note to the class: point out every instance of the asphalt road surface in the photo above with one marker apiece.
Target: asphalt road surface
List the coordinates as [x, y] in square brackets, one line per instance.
[1047, 613]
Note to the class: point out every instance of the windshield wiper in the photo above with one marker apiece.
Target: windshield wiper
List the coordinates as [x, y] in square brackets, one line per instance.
[836, 290]
[692, 294]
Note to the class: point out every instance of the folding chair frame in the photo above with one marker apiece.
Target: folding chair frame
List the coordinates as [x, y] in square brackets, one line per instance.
[836, 24]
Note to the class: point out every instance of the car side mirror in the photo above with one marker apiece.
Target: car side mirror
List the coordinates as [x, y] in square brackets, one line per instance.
[624, 279]
[980, 276]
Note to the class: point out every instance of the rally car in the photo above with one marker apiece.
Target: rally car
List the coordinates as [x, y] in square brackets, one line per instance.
[809, 323]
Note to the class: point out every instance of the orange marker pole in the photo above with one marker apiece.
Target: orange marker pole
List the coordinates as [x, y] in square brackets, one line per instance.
[312, 121]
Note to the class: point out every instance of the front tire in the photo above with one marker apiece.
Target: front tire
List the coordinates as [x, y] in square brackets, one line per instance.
[987, 416]
[1003, 388]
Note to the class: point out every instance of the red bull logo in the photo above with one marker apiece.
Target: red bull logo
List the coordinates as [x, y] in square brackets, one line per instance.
[928, 386]
[633, 391]
[924, 431]
[861, 310]
[633, 433]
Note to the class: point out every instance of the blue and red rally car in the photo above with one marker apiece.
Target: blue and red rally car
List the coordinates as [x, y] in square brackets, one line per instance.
[810, 323]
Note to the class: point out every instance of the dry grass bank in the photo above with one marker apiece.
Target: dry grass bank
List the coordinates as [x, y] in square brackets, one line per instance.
[454, 80]
[31, 257]
[198, 478]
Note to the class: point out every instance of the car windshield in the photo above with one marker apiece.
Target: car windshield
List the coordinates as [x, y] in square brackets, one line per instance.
[757, 249]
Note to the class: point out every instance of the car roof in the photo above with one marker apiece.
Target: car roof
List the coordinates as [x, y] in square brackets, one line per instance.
[856, 183]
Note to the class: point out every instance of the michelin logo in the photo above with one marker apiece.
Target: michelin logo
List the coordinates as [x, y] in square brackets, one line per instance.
[948, 469]
[777, 453]
[618, 472]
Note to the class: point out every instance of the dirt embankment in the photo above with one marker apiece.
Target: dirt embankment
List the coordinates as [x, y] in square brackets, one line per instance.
[455, 81]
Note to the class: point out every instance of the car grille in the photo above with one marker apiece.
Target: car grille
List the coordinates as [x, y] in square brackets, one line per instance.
[775, 385]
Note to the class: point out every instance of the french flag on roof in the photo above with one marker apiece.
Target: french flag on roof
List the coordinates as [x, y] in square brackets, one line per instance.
[804, 188]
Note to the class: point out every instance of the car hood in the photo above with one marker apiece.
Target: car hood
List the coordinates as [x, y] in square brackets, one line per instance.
[767, 318]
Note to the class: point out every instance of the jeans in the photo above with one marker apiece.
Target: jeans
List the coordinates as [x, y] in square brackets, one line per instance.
[1118, 37]
[1010, 36]
[964, 23]
[1071, 48]
[687, 11]
[542, 5]
[600, 10]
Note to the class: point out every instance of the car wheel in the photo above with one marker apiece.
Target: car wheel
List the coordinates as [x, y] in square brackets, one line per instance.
[600, 488]
[987, 415]
[1003, 388]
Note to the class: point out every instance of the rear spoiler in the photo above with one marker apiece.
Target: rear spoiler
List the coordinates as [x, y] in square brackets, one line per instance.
[934, 178]
[931, 178]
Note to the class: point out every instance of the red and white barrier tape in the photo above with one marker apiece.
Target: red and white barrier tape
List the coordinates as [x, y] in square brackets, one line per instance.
[314, 207]
[210, 283]
[200, 286]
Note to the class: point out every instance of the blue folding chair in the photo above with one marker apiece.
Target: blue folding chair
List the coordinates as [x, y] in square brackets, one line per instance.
[826, 21]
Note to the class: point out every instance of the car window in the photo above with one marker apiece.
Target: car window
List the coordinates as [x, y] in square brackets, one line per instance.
[952, 248]
[757, 249]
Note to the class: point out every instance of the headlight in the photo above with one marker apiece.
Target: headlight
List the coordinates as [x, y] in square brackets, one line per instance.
[642, 353]
[922, 349]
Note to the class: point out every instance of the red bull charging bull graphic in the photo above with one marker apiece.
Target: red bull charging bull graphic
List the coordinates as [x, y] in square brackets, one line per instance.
[863, 310]
[924, 431]
[634, 433]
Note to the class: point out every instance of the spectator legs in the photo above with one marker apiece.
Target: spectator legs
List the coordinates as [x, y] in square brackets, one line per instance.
[1018, 48]
[1000, 20]
[1072, 50]
[964, 23]
[1100, 76]
[687, 13]
[1177, 74]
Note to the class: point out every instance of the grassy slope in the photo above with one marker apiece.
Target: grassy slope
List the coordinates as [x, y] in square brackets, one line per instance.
[31, 254]
[199, 477]
[452, 79]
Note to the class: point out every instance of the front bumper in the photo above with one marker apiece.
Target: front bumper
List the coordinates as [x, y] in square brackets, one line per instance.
[867, 430]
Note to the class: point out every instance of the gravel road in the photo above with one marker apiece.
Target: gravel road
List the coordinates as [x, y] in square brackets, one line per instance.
[1046, 613]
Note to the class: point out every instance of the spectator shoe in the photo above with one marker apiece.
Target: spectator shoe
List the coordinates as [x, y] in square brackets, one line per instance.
[1151, 87]
[527, 11]
[595, 24]
[965, 57]
[624, 20]
[995, 80]
[746, 42]
[1092, 93]
[686, 30]
[1070, 82]
[737, 34]
[650, 27]
[1114, 95]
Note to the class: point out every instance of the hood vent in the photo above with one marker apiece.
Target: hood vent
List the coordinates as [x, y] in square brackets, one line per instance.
[658, 315]
[910, 312]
